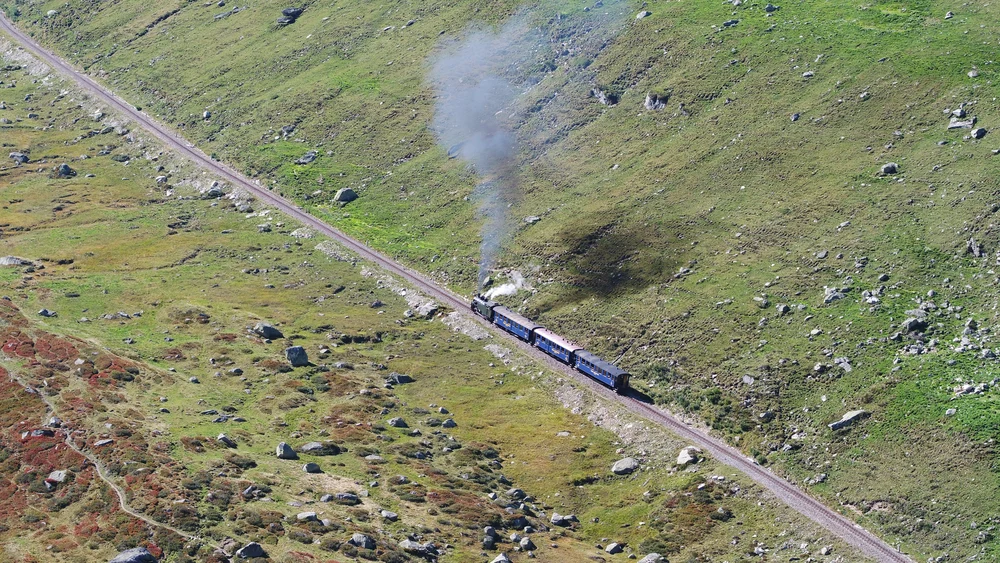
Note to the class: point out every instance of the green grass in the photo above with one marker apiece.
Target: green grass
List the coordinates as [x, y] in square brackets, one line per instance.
[108, 250]
[730, 188]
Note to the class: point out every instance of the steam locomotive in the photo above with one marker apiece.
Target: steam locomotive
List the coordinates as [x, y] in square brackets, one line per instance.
[552, 344]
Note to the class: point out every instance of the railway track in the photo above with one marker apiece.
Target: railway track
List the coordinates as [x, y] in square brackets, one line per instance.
[839, 525]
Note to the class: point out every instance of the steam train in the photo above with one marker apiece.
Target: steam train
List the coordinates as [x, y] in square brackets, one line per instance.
[552, 344]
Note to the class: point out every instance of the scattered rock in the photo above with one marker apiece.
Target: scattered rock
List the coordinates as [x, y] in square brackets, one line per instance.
[362, 541]
[349, 499]
[194, 379]
[226, 441]
[625, 466]
[134, 555]
[320, 448]
[848, 419]
[64, 171]
[417, 548]
[604, 97]
[950, 412]
[890, 168]
[307, 158]
[297, 356]
[265, 330]
[955, 123]
[614, 548]
[398, 378]
[912, 324]
[398, 422]
[771, 8]
[449, 423]
[688, 456]
[103, 442]
[831, 294]
[972, 247]
[390, 516]
[345, 195]
[562, 520]
[311, 468]
[655, 102]
[19, 157]
[47, 313]
[307, 517]
[284, 451]
[653, 558]
[527, 545]
[252, 549]
[978, 133]
[643, 14]
[502, 558]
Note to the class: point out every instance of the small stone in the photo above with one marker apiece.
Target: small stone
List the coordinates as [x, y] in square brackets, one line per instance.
[950, 412]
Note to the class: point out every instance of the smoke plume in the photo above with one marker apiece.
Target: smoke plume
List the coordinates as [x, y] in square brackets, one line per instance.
[475, 83]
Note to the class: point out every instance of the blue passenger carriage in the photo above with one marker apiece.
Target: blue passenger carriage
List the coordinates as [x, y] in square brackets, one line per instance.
[607, 373]
[515, 324]
[555, 345]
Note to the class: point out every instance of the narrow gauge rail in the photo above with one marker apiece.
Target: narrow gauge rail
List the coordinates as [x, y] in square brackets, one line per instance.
[552, 344]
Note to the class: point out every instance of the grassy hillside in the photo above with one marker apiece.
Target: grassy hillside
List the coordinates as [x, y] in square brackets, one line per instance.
[668, 238]
[154, 281]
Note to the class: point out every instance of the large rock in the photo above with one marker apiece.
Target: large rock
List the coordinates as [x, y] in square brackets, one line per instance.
[297, 356]
[284, 451]
[655, 101]
[362, 541]
[913, 325]
[614, 548]
[398, 422]
[398, 378]
[502, 558]
[625, 466]
[19, 157]
[562, 520]
[252, 549]
[134, 555]
[849, 418]
[311, 468]
[320, 448]
[64, 171]
[345, 195]
[226, 441]
[417, 548]
[308, 157]
[265, 330]
[890, 168]
[688, 456]
[653, 558]
[527, 544]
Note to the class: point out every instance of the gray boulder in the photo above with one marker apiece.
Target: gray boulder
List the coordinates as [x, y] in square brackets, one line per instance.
[345, 195]
[311, 468]
[64, 171]
[417, 548]
[398, 378]
[47, 313]
[226, 441]
[527, 544]
[502, 558]
[389, 515]
[625, 466]
[252, 549]
[297, 356]
[265, 330]
[308, 157]
[614, 548]
[688, 455]
[398, 422]
[362, 541]
[890, 168]
[320, 448]
[653, 558]
[562, 520]
[643, 14]
[849, 418]
[134, 555]
[978, 133]
[654, 101]
[19, 157]
[913, 325]
[284, 451]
